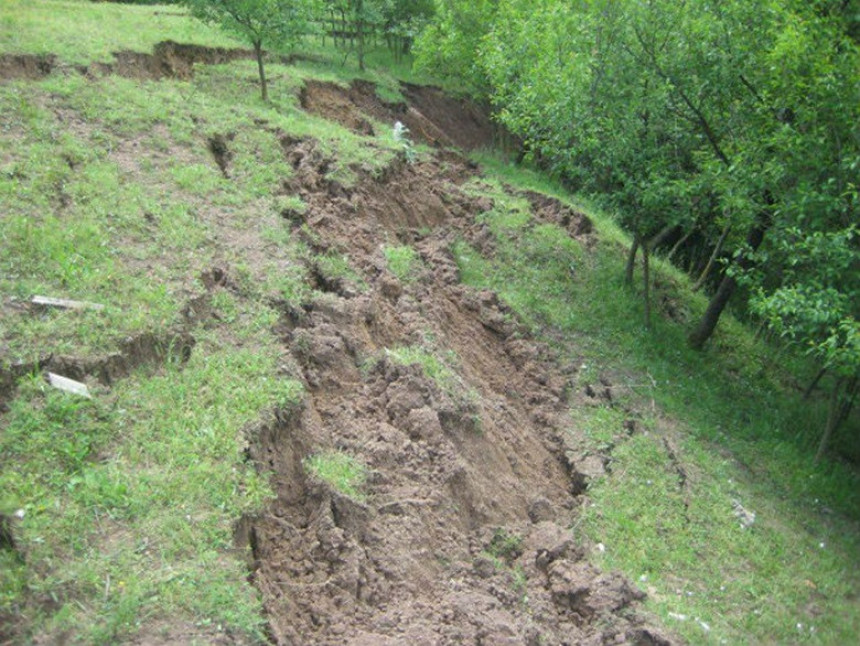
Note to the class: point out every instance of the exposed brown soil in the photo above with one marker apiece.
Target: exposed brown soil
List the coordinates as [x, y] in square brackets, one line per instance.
[168, 60]
[26, 66]
[431, 116]
[454, 471]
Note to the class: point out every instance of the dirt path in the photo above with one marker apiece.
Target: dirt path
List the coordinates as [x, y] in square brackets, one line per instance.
[464, 536]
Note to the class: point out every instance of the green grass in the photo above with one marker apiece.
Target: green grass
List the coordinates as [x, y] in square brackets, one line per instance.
[342, 472]
[97, 30]
[403, 261]
[130, 498]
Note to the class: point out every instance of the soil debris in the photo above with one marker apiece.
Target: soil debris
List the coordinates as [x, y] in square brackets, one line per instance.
[26, 66]
[168, 60]
[431, 116]
[218, 146]
[462, 536]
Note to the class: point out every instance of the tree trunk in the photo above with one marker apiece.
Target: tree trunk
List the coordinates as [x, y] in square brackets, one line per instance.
[258, 52]
[832, 416]
[727, 287]
[359, 28]
[707, 271]
[657, 240]
[811, 387]
[680, 243]
[646, 279]
[631, 260]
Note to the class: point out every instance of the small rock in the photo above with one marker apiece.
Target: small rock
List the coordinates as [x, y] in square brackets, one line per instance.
[484, 567]
[540, 510]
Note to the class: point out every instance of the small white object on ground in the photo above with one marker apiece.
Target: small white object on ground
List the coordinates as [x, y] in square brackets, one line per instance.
[47, 301]
[746, 516]
[69, 385]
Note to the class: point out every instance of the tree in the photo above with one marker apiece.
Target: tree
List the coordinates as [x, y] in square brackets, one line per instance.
[258, 22]
[734, 118]
[451, 42]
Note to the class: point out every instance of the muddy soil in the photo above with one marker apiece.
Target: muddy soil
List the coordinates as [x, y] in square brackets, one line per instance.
[26, 66]
[431, 116]
[464, 535]
[168, 60]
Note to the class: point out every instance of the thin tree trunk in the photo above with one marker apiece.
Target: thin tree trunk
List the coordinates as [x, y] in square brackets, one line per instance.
[658, 239]
[713, 259]
[832, 416]
[646, 279]
[631, 260]
[359, 29]
[680, 243]
[727, 287]
[811, 387]
[258, 52]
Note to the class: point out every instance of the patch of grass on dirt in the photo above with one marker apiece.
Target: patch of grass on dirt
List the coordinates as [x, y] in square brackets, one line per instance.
[342, 472]
[431, 365]
[746, 436]
[403, 261]
[505, 545]
[335, 269]
[440, 367]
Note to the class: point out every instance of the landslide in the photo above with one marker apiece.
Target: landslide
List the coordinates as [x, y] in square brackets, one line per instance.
[464, 535]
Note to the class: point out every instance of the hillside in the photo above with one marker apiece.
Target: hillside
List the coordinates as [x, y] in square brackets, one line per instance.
[350, 388]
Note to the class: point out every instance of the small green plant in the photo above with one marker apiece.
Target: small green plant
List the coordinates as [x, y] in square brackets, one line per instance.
[343, 472]
[505, 545]
[402, 140]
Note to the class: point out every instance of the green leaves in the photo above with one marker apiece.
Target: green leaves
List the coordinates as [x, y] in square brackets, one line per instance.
[279, 22]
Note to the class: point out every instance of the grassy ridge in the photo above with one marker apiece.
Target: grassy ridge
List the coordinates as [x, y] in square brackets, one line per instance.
[80, 32]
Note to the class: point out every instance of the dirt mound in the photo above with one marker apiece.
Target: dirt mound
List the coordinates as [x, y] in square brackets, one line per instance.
[431, 117]
[26, 66]
[333, 102]
[168, 60]
[461, 121]
[549, 209]
[463, 536]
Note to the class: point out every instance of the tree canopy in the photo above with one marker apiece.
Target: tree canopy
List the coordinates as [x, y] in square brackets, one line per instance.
[258, 22]
[728, 130]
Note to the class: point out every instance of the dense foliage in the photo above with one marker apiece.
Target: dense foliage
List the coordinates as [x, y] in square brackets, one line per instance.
[727, 130]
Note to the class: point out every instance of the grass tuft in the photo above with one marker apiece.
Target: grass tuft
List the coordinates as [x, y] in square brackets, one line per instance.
[342, 472]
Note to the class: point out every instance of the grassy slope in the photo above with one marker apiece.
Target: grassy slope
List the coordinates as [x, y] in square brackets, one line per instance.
[129, 500]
